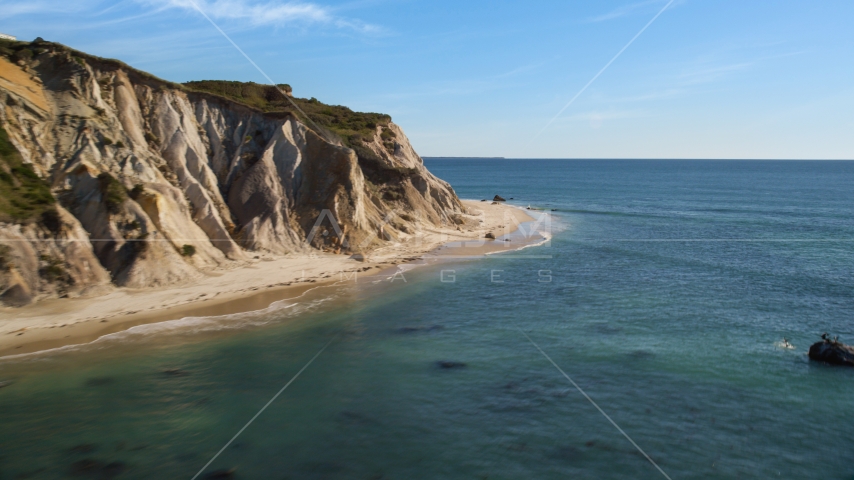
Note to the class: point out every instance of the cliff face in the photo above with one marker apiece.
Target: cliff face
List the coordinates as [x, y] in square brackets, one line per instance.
[155, 184]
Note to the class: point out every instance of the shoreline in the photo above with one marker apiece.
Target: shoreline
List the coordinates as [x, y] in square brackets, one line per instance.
[57, 323]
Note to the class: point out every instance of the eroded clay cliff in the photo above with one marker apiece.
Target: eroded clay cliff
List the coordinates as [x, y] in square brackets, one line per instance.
[156, 184]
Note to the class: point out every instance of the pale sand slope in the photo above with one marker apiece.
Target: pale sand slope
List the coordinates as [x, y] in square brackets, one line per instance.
[16, 80]
[59, 322]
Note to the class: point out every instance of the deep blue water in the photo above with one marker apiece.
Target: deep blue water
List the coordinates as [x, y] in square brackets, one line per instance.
[663, 294]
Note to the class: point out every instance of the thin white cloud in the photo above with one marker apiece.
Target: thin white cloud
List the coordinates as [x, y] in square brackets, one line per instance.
[691, 80]
[601, 115]
[521, 70]
[707, 74]
[695, 78]
[622, 11]
[650, 96]
[16, 8]
[272, 13]
[630, 9]
[462, 86]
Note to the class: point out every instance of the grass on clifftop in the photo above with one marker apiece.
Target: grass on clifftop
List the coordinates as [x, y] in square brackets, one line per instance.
[16, 50]
[24, 196]
[350, 126]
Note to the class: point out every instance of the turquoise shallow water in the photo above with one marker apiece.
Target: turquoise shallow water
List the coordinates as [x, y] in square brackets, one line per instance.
[671, 283]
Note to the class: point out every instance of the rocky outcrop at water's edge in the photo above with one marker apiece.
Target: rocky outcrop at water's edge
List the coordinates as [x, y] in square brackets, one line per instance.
[832, 351]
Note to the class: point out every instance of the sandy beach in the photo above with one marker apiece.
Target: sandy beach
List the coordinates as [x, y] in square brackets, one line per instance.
[252, 286]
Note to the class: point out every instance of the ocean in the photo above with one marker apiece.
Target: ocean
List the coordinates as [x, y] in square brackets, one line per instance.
[664, 294]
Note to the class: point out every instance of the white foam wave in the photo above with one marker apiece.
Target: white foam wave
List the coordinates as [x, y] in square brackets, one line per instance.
[556, 224]
[546, 239]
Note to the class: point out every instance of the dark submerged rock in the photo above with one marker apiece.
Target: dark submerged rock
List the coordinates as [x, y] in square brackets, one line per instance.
[832, 351]
[431, 328]
[350, 417]
[85, 467]
[113, 469]
[100, 381]
[498, 198]
[606, 329]
[446, 365]
[83, 448]
[91, 468]
[567, 454]
[640, 354]
[221, 474]
[323, 469]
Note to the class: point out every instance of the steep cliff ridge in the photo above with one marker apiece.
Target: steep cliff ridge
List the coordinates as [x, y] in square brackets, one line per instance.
[137, 182]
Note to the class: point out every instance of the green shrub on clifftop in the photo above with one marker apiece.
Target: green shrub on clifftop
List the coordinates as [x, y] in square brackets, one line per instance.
[348, 125]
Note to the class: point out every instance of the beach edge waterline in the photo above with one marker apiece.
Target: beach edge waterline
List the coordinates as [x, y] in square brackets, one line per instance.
[49, 334]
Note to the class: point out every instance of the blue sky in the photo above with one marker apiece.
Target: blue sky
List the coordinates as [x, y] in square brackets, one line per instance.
[708, 79]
